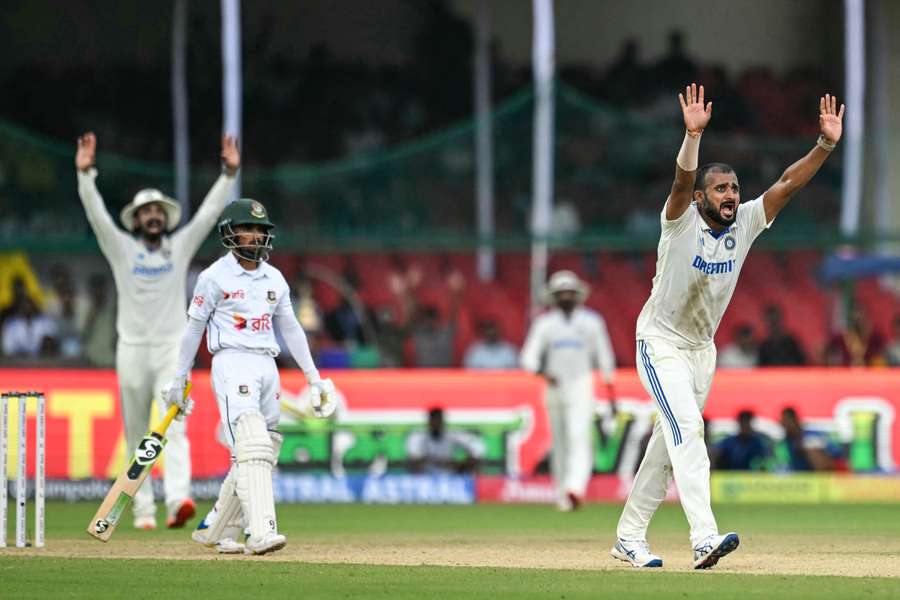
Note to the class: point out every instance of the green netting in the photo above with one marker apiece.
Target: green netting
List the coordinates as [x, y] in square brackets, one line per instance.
[614, 167]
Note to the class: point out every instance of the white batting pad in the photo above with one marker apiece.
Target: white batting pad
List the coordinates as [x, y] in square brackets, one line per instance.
[255, 457]
[225, 519]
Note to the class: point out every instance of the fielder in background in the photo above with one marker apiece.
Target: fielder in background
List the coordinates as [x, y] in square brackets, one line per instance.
[149, 267]
[704, 241]
[240, 300]
[565, 345]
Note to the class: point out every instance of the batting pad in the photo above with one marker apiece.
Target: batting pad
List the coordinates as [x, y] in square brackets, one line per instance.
[225, 520]
[255, 457]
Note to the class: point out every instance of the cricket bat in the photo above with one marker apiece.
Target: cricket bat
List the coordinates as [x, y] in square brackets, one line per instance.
[126, 486]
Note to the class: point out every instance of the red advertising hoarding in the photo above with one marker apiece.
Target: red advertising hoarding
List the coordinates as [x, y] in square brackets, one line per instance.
[84, 432]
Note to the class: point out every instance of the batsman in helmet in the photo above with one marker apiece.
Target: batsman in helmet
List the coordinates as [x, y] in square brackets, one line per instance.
[240, 300]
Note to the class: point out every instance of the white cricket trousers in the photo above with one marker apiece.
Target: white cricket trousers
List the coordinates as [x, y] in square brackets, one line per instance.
[570, 406]
[678, 381]
[143, 371]
[245, 381]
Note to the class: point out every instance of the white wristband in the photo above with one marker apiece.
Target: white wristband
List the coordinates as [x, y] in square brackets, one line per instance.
[689, 155]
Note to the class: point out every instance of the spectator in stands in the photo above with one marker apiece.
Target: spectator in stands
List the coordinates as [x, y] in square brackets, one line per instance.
[859, 345]
[390, 337]
[491, 351]
[433, 340]
[892, 352]
[99, 327]
[435, 451]
[64, 313]
[26, 331]
[747, 450]
[804, 450]
[675, 67]
[742, 352]
[779, 348]
[308, 312]
[626, 77]
[344, 325]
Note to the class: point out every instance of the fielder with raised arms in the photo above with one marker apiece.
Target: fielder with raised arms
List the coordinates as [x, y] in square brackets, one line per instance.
[150, 267]
[706, 234]
[565, 345]
[239, 301]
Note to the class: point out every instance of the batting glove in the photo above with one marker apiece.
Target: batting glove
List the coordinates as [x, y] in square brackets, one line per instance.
[321, 395]
[173, 393]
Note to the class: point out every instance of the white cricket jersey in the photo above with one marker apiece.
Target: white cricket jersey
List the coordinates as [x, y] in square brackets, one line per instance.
[241, 308]
[568, 347]
[150, 285]
[696, 273]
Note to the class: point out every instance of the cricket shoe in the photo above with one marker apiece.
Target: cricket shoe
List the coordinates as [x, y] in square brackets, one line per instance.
[636, 553]
[708, 552]
[186, 511]
[574, 500]
[270, 542]
[230, 546]
[147, 523]
[200, 536]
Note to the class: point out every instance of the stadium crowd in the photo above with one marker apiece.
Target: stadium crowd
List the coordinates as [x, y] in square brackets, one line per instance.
[419, 320]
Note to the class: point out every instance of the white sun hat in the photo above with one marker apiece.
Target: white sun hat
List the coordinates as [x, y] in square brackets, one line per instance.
[566, 281]
[147, 196]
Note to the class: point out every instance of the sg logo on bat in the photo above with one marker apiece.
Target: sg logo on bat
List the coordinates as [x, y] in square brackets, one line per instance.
[148, 450]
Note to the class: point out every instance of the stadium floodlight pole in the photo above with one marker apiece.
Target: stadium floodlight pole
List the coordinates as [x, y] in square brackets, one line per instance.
[854, 93]
[231, 76]
[484, 149]
[180, 107]
[877, 26]
[542, 146]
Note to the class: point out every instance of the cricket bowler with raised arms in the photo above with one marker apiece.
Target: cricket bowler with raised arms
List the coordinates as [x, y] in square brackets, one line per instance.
[149, 265]
[239, 301]
[706, 234]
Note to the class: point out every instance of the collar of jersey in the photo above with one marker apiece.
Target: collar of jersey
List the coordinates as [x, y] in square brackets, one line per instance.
[715, 235]
[238, 270]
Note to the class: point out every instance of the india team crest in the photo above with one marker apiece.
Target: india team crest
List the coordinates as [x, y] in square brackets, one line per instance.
[730, 243]
[271, 298]
[257, 210]
[244, 390]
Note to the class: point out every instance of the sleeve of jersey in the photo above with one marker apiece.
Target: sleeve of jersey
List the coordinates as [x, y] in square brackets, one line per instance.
[415, 446]
[192, 235]
[757, 221]
[108, 235]
[472, 444]
[605, 356]
[190, 341]
[530, 358]
[675, 226]
[294, 337]
[206, 295]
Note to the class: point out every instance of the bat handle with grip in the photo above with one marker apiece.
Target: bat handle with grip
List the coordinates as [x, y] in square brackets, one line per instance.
[171, 414]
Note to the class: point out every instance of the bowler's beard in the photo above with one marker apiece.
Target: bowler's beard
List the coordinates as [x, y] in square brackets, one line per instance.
[710, 211]
[153, 236]
[566, 306]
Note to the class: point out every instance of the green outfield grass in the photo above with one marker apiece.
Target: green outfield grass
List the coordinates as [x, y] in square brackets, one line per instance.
[538, 533]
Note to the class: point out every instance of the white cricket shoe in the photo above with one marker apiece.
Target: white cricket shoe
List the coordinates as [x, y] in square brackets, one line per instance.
[147, 523]
[708, 552]
[637, 553]
[230, 546]
[270, 542]
[200, 536]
